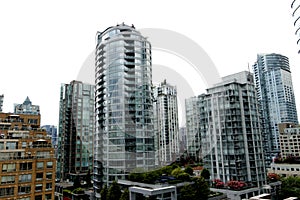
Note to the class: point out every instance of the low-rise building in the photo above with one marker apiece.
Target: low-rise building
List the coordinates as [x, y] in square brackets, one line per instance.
[285, 169]
[289, 140]
[138, 190]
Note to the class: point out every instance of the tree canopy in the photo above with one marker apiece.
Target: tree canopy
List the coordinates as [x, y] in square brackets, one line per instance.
[125, 195]
[103, 193]
[114, 191]
[205, 174]
[290, 187]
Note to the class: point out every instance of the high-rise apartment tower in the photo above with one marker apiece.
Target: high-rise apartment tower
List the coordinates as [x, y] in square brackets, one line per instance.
[166, 118]
[124, 138]
[273, 82]
[192, 130]
[76, 130]
[229, 128]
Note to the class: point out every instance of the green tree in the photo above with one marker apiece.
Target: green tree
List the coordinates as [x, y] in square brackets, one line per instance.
[176, 172]
[150, 177]
[290, 187]
[201, 187]
[166, 170]
[114, 191]
[103, 193]
[125, 195]
[174, 166]
[187, 192]
[205, 174]
[189, 170]
[137, 177]
[184, 176]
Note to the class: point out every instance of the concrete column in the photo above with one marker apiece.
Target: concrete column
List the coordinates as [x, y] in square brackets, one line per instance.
[131, 195]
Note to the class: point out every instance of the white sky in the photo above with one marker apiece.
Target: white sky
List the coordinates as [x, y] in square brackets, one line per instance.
[44, 43]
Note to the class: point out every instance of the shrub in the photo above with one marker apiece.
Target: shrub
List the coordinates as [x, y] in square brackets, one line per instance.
[176, 172]
[189, 170]
[205, 174]
[218, 183]
[184, 176]
[236, 185]
[273, 177]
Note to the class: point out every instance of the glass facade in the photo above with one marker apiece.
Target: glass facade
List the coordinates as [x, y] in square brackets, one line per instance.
[52, 132]
[273, 81]
[193, 138]
[229, 128]
[124, 138]
[76, 130]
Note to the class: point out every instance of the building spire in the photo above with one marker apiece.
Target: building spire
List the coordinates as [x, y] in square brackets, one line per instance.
[27, 101]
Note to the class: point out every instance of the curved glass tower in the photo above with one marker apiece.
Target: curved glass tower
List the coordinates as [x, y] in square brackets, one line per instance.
[273, 81]
[124, 138]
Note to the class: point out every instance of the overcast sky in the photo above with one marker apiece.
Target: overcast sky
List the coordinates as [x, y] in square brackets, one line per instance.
[45, 43]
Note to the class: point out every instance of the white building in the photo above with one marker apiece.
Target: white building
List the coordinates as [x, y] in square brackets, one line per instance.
[124, 138]
[230, 131]
[166, 118]
[285, 169]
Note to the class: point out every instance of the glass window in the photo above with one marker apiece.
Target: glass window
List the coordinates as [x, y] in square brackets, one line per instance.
[24, 144]
[48, 175]
[24, 198]
[25, 178]
[43, 154]
[48, 186]
[7, 179]
[40, 165]
[49, 164]
[1, 145]
[8, 167]
[4, 192]
[38, 187]
[11, 145]
[38, 197]
[26, 166]
[39, 176]
[48, 197]
[24, 189]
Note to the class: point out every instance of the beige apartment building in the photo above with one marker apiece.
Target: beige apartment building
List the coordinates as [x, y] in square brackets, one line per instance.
[27, 162]
[289, 139]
